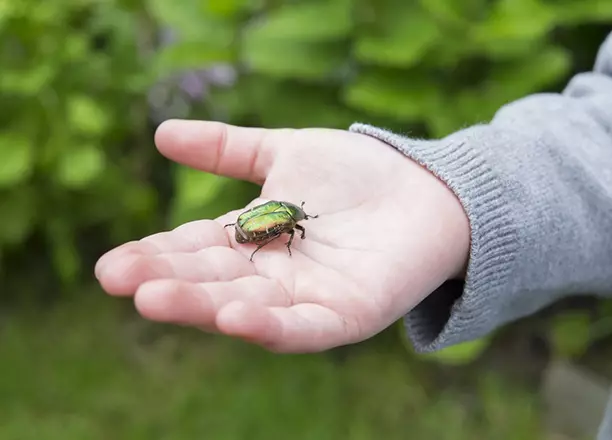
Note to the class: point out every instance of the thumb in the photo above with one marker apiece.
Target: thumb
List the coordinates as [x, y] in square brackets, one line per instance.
[218, 148]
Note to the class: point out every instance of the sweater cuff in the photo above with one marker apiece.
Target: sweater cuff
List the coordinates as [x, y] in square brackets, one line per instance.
[462, 311]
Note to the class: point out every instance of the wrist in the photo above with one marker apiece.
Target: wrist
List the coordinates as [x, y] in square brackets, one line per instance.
[472, 206]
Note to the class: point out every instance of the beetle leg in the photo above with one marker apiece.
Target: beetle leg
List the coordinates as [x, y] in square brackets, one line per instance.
[262, 245]
[229, 224]
[302, 229]
[291, 234]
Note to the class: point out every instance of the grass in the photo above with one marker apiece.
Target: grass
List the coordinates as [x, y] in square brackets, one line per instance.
[89, 371]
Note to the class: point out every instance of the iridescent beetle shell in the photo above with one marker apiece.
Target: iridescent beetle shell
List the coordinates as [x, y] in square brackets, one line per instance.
[266, 222]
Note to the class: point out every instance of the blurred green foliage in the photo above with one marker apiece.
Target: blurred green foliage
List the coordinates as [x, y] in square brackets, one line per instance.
[78, 169]
[126, 380]
[72, 85]
[572, 332]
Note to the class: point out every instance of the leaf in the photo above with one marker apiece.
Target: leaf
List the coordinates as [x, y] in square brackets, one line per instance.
[16, 158]
[398, 94]
[406, 34]
[573, 12]
[179, 17]
[193, 40]
[290, 104]
[570, 334]
[229, 8]
[293, 42]
[140, 200]
[506, 82]
[315, 21]
[189, 55]
[189, 20]
[512, 26]
[283, 59]
[17, 214]
[194, 190]
[605, 308]
[79, 166]
[602, 327]
[513, 80]
[86, 116]
[28, 81]
[75, 47]
[459, 354]
[455, 12]
[447, 119]
[64, 253]
[7, 9]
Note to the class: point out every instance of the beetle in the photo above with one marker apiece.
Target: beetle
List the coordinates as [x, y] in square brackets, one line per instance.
[266, 222]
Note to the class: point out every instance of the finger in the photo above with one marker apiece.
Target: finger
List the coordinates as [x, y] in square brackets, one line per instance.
[189, 237]
[228, 150]
[185, 303]
[298, 329]
[124, 275]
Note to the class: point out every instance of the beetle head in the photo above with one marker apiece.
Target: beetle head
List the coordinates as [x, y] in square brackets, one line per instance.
[303, 214]
[295, 211]
[241, 236]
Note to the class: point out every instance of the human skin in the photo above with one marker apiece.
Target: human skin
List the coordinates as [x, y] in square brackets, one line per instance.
[388, 234]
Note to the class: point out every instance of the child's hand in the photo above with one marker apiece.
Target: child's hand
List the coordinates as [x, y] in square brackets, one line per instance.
[388, 234]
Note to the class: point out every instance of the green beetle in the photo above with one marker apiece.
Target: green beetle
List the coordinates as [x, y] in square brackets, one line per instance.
[264, 223]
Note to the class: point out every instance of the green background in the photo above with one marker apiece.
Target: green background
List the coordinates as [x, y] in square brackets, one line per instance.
[84, 83]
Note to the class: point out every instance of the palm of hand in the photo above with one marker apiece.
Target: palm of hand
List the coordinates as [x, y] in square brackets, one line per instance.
[388, 233]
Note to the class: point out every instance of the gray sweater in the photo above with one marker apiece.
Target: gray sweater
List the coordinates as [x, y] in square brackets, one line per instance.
[536, 183]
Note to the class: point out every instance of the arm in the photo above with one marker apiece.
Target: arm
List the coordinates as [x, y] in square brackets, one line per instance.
[536, 184]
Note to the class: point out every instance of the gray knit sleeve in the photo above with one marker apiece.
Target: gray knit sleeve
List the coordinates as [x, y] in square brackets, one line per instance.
[536, 184]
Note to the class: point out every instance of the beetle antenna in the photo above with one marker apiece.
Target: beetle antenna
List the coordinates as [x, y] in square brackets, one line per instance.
[302, 205]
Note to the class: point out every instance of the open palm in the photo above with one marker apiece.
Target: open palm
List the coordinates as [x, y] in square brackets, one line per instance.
[388, 233]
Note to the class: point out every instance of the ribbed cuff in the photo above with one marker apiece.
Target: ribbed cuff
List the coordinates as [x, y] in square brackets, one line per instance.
[459, 312]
